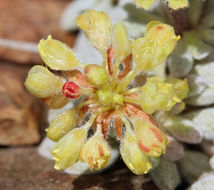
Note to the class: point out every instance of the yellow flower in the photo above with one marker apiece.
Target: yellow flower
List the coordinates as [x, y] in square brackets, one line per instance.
[153, 49]
[134, 158]
[159, 95]
[96, 151]
[66, 152]
[106, 94]
[173, 4]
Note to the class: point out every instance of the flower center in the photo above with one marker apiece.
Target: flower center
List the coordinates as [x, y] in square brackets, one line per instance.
[107, 96]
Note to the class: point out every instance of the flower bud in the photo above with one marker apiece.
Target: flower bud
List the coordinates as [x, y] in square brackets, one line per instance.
[61, 125]
[66, 152]
[57, 55]
[150, 139]
[42, 83]
[71, 90]
[96, 151]
[95, 74]
[133, 157]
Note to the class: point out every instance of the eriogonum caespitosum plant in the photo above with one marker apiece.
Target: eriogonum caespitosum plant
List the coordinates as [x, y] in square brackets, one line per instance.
[106, 94]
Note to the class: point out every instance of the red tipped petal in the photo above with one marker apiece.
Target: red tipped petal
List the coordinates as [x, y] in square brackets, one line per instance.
[118, 125]
[110, 54]
[131, 109]
[127, 66]
[104, 119]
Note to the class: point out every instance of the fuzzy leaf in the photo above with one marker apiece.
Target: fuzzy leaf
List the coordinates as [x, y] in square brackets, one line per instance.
[174, 150]
[166, 175]
[208, 20]
[140, 15]
[196, 46]
[180, 61]
[182, 129]
[197, 84]
[203, 99]
[206, 71]
[187, 165]
[194, 11]
[203, 121]
[207, 34]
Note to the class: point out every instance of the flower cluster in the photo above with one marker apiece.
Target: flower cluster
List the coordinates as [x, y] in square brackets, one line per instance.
[173, 4]
[107, 95]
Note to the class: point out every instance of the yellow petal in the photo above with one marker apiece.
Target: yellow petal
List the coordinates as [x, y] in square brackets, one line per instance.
[178, 4]
[61, 125]
[96, 151]
[164, 34]
[131, 154]
[42, 83]
[152, 50]
[146, 54]
[150, 139]
[120, 41]
[57, 55]
[181, 87]
[66, 152]
[97, 28]
[144, 3]
[158, 95]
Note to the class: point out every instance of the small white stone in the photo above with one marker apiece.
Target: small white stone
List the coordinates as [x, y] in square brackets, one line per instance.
[204, 183]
